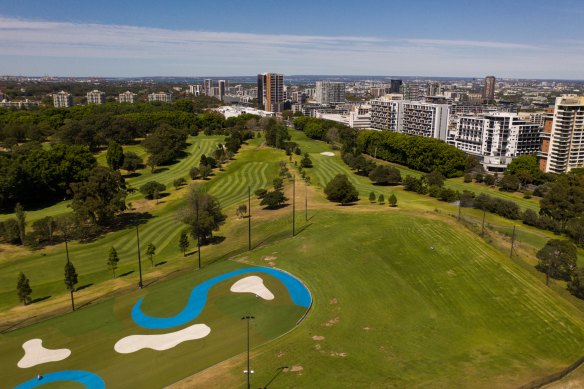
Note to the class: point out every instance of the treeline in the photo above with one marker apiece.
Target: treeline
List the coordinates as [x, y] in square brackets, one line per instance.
[416, 152]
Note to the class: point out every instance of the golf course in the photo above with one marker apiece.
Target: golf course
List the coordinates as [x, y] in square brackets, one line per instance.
[364, 295]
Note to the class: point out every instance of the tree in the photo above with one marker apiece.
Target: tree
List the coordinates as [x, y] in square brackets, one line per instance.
[530, 217]
[202, 214]
[151, 252]
[241, 210]
[273, 199]
[340, 190]
[183, 242]
[467, 178]
[131, 162]
[489, 179]
[392, 200]
[381, 199]
[575, 230]
[165, 144]
[260, 193]
[306, 162]
[435, 178]
[278, 184]
[71, 280]
[179, 182]
[21, 220]
[576, 283]
[112, 261]
[205, 171]
[23, 289]
[43, 229]
[114, 155]
[525, 164]
[557, 259]
[152, 189]
[372, 197]
[509, 183]
[564, 200]
[194, 173]
[101, 197]
[385, 175]
[276, 133]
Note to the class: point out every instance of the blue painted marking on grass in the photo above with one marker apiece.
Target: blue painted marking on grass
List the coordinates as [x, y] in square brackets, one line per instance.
[198, 298]
[90, 380]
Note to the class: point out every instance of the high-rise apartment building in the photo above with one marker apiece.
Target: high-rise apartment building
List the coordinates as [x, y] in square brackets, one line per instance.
[271, 91]
[95, 97]
[160, 96]
[414, 90]
[329, 92]
[395, 86]
[562, 146]
[195, 90]
[207, 85]
[222, 89]
[489, 91]
[410, 117]
[496, 138]
[127, 97]
[62, 99]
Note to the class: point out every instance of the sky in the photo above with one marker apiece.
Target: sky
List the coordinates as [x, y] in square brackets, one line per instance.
[195, 38]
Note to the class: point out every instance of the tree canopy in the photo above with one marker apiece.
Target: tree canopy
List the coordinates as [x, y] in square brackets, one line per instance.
[202, 214]
[340, 190]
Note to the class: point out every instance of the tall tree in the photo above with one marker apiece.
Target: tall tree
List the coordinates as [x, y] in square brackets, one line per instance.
[183, 242]
[115, 155]
[151, 252]
[202, 214]
[392, 200]
[21, 219]
[23, 289]
[557, 259]
[306, 162]
[113, 260]
[101, 197]
[565, 199]
[71, 280]
[131, 161]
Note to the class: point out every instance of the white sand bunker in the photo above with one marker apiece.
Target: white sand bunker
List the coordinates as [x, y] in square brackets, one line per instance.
[161, 342]
[328, 153]
[252, 284]
[36, 354]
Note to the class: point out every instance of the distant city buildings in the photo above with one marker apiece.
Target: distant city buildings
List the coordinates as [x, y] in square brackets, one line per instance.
[489, 90]
[160, 96]
[330, 92]
[222, 89]
[271, 91]
[95, 97]
[62, 100]
[20, 104]
[496, 138]
[562, 147]
[195, 90]
[127, 97]
[235, 110]
[207, 85]
[410, 117]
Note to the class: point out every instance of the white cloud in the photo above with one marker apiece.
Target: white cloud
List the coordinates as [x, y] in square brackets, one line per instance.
[158, 51]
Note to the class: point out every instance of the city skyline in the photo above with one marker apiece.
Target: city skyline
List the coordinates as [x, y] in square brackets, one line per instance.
[449, 39]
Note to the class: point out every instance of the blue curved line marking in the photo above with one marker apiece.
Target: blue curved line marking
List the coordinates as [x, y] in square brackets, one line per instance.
[90, 380]
[198, 298]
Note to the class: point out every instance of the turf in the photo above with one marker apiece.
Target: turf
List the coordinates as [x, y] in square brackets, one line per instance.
[92, 332]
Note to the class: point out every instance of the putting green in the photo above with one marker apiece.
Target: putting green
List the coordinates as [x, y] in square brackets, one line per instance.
[159, 355]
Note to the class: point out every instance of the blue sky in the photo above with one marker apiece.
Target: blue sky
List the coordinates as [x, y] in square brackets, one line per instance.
[512, 38]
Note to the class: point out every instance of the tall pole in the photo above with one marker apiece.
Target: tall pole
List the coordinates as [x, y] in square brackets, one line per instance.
[249, 217]
[198, 232]
[305, 202]
[66, 246]
[139, 259]
[512, 243]
[293, 205]
[484, 214]
[459, 210]
[248, 371]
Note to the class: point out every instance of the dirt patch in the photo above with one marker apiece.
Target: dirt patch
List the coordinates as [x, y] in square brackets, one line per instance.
[366, 328]
[333, 301]
[317, 346]
[295, 369]
[332, 322]
[269, 258]
[317, 337]
[335, 354]
[280, 354]
[451, 273]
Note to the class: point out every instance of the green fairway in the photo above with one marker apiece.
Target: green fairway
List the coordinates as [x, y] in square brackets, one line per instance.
[406, 301]
[91, 333]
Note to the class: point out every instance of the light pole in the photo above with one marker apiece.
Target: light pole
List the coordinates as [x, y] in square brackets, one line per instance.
[249, 218]
[139, 259]
[248, 371]
[294, 205]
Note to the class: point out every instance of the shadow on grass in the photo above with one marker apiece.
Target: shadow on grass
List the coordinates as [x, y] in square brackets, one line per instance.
[126, 273]
[39, 299]
[132, 175]
[83, 287]
[160, 263]
[160, 170]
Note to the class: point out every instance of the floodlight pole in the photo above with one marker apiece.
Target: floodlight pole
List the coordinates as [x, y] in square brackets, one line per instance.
[484, 214]
[66, 246]
[140, 285]
[305, 202]
[249, 217]
[512, 243]
[248, 371]
[293, 205]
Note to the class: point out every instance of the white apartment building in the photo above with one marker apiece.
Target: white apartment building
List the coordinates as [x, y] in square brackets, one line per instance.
[195, 90]
[160, 96]
[95, 97]
[62, 99]
[329, 92]
[127, 97]
[562, 146]
[496, 138]
[410, 117]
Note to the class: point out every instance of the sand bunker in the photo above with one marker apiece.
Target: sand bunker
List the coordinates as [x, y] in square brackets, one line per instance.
[328, 153]
[252, 284]
[36, 354]
[161, 342]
